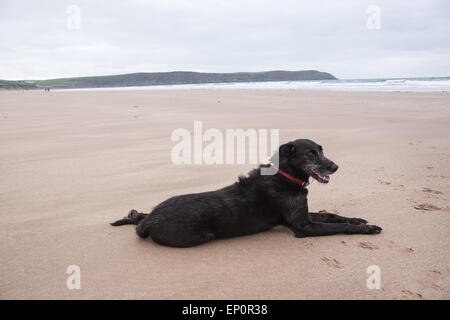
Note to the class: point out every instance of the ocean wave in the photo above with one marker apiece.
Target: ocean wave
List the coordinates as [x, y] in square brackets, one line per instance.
[404, 85]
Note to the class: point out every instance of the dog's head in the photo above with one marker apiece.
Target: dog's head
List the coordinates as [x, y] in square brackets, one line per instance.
[305, 158]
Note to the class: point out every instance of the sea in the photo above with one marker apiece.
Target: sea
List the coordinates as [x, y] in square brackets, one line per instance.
[431, 84]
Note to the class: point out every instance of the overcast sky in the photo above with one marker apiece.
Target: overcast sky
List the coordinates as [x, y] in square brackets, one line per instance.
[41, 39]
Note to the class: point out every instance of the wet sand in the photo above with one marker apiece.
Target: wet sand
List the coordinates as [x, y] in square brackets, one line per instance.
[71, 162]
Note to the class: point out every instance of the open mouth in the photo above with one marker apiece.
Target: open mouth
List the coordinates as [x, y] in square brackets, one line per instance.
[319, 177]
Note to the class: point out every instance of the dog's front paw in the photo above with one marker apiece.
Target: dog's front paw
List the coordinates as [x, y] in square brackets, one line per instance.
[357, 221]
[372, 229]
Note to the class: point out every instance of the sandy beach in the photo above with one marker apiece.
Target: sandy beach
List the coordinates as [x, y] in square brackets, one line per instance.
[71, 162]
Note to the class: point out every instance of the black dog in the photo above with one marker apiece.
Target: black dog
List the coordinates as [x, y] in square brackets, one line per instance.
[253, 204]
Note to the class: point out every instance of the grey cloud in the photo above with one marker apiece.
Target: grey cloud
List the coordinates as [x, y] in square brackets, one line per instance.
[224, 36]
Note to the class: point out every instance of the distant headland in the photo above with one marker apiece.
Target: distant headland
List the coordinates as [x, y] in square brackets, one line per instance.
[165, 78]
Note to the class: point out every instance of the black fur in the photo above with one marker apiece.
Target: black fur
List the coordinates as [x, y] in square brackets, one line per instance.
[253, 204]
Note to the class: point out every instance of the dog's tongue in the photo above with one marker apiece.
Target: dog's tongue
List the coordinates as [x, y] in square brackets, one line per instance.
[324, 178]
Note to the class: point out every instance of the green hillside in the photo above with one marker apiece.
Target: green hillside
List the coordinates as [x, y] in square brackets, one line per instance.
[18, 85]
[167, 78]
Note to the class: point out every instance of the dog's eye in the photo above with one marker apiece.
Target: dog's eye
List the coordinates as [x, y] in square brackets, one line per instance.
[311, 153]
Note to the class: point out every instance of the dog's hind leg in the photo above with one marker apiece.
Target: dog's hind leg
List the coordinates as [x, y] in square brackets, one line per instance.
[183, 240]
[133, 217]
[142, 230]
[334, 218]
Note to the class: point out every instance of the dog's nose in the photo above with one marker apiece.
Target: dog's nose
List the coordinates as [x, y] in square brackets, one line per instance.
[333, 167]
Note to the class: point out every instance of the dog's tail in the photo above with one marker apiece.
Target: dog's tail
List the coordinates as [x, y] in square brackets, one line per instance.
[133, 217]
[122, 222]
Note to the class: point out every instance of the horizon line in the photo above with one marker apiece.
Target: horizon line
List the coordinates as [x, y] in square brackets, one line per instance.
[189, 71]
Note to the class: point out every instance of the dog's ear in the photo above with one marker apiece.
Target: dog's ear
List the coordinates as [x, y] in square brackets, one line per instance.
[287, 149]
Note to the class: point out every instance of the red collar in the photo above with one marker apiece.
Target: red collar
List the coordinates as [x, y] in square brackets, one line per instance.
[294, 179]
